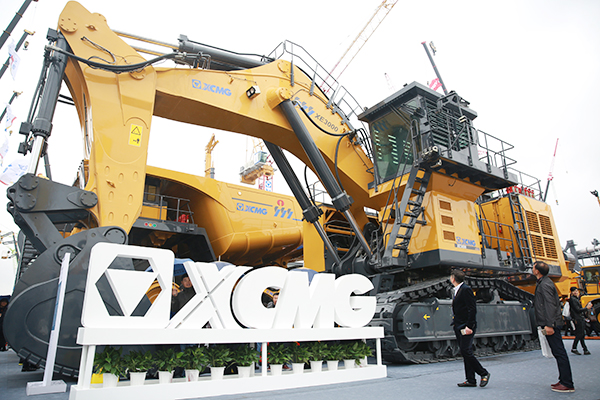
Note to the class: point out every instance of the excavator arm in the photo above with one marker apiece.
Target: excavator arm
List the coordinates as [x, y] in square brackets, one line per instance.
[121, 106]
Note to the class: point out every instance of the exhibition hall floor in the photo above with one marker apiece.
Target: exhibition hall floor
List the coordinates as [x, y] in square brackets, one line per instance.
[513, 376]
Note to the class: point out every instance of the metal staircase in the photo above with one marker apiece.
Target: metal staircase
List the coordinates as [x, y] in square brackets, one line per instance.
[520, 230]
[407, 216]
[28, 255]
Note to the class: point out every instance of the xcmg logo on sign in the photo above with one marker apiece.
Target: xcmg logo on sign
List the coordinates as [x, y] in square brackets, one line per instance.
[229, 297]
[196, 84]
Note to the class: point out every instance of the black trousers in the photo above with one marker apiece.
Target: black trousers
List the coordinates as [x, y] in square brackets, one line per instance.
[579, 334]
[472, 365]
[562, 359]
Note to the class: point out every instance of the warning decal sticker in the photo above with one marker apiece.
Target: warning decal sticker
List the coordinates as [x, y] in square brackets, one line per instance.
[135, 135]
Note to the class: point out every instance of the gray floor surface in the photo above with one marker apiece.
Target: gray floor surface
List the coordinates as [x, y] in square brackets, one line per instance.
[513, 376]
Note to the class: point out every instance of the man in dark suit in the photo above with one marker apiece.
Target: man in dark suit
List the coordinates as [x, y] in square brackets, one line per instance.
[464, 310]
[549, 318]
[578, 315]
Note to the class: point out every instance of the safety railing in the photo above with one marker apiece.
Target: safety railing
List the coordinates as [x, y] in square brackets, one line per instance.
[493, 239]
[339, 99]
[492, 150]
[169, 208]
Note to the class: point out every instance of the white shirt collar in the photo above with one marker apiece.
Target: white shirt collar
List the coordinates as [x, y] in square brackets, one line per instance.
[457, 287]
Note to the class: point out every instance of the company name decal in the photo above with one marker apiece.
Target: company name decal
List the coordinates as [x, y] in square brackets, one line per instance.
[196, 84]
[266, 209]
[464, 243]
[251, 209]
[317, 117]
[227, 298]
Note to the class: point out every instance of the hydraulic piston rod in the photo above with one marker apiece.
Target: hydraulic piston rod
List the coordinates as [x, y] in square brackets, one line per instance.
[42, 125]
[310, 212]
[341, 201]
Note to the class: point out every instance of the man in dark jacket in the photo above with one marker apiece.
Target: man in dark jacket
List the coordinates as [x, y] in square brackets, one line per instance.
[186, 293]
[578, 316]
[549, 317]
[464, 320]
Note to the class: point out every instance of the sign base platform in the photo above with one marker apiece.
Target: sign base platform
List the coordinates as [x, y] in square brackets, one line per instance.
[34, 388]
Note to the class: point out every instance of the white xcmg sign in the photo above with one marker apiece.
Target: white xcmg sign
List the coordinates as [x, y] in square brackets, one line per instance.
[223, 297]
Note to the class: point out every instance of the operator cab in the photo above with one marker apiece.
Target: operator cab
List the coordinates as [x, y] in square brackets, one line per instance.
[591, 279]
[419, 123]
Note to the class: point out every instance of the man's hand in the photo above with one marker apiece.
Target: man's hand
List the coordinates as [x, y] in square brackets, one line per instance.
[549, 330]
[468, 331]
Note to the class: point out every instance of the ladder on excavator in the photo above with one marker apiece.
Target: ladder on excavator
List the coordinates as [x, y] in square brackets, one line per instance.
[28, 254]
[520, 229]
[407, 215]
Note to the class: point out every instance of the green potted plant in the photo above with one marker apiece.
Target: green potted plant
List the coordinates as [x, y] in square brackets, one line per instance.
[109, 364]
[245, 357]
[166, 361]
[333, 355]
[219, 357]
[277, 355]
[351, 354]
[194, 360]
[363, 351]
[300, 356]
[317, 352]
[137, 364]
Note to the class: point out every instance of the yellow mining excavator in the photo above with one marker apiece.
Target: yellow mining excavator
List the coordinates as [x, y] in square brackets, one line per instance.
[585, 267]
[414, 189]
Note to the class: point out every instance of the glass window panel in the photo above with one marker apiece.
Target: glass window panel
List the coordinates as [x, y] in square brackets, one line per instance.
[392, 144]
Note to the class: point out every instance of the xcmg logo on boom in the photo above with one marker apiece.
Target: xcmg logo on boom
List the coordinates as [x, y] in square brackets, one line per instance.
[317, 117]
[304, 106]
[196, 84]
[251, 209]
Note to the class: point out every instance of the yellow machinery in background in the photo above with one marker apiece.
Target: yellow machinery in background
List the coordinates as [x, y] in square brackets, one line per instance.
[585, 277]
[209, 170]
[245, 226]
[258, 167]
[421, 192]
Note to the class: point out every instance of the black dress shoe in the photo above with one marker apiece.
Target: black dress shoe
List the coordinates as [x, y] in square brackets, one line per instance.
[467, 384]
[484, 380]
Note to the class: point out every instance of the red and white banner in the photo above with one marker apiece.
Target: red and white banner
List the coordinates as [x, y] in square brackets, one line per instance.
[435, 84]
[10, 118]
[15, 60]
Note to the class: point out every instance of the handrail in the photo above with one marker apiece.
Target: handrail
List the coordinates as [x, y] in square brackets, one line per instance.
[180, 209]
[340, 101]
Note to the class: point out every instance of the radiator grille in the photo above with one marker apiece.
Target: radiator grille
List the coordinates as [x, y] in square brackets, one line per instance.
[532, 222]
[550, 248]
[538, 245]
[449, 235]
[546, 225]
[542, 243]
[445, 205]
[447, 220]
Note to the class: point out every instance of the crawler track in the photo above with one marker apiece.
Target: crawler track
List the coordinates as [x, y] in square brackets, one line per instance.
[504, 326]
